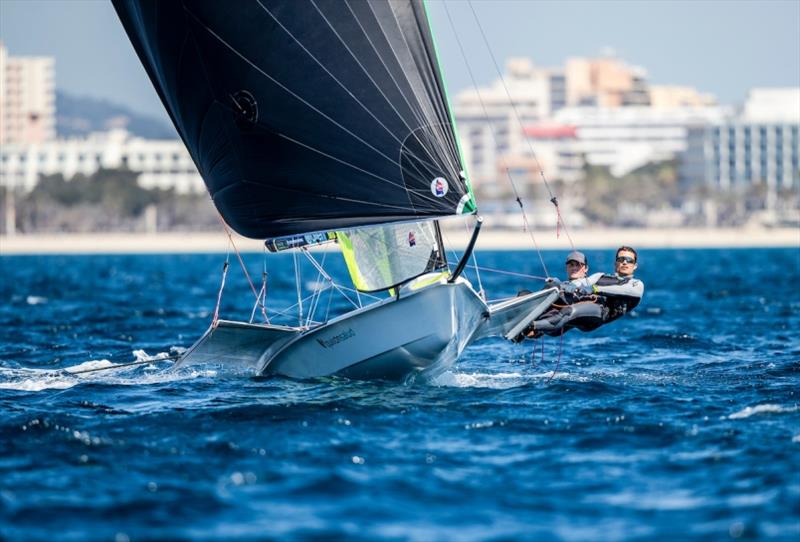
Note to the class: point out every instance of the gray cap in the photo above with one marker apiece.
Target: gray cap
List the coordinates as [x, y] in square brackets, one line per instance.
[577, 256]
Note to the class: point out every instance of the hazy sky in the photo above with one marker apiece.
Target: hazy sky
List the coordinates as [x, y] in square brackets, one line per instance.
[722, 47]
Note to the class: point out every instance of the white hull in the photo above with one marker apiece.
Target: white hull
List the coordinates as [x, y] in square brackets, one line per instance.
[424, 330]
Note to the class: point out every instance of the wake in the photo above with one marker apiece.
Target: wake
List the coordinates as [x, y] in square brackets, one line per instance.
[145, 369]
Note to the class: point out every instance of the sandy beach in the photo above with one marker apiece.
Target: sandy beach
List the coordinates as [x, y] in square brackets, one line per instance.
[215, 242]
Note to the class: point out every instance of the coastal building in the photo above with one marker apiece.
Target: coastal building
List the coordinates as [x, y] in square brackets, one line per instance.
[671, 96]
[161, 163]
[27, 99]
[757, 146]
[624, 139]
[621, 139]
[490, 123]
[599, 111]
[605, 82]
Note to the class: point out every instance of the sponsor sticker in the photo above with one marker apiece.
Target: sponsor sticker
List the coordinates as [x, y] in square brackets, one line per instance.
[336, 339]
[439, 187]
[412, 240]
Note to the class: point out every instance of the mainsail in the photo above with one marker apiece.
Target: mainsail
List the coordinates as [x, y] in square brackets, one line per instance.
[307, 115]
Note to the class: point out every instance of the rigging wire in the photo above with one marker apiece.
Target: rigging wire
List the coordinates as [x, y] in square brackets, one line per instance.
[215, 318]
[329, 278]
[298, 287]
[481, 291]
[262, 294]
[319, 285]
[244, 267]
[494, 137]
[553, 198]
[511, 273]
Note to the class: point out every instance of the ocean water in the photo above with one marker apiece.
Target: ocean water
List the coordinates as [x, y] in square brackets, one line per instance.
[680, 421]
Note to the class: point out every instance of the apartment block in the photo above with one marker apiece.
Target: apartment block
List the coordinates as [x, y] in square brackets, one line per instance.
[756, 146]
[27, 99]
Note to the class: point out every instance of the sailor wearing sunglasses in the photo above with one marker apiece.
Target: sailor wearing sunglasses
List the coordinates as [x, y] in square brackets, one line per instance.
[589, 302]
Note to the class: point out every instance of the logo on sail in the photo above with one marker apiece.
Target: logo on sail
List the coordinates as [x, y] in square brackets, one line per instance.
[412, 240]
[439, 187]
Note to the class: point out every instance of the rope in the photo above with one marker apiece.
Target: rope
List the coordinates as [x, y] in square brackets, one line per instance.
[553, 199]
[239, 256]
[560, 350]
[540, 343]
[494, 137]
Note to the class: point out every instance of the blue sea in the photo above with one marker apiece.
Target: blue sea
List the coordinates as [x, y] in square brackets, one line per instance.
[680, 421]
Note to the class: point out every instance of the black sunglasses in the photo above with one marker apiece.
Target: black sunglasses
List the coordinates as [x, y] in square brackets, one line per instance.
[574, 262]
[625, 259]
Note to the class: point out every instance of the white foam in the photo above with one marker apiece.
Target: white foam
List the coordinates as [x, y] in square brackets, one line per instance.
[499, 381]
[479, 380]
[35, 300]
[761, 409]
[34, 380]
[27, 379]
[87, 365]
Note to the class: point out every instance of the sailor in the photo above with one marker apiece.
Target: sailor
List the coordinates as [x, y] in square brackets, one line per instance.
[589, 302]
[577, 269]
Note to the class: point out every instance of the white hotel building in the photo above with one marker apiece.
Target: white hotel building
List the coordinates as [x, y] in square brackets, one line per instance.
[758, 146]
[161, 163]
[623, 138]
[596, 111]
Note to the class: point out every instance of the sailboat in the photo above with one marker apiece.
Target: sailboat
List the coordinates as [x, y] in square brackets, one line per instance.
[317, 122]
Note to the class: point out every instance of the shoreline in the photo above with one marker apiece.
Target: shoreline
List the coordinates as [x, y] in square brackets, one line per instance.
[217, 242]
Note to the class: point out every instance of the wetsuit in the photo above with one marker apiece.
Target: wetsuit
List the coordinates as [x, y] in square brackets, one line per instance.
[588, 303]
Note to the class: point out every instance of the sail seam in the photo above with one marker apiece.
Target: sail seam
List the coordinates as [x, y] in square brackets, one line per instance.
[430, 114]
[377, 87]
[419, 115]
[289, 91]
[327, 71]
[437, 113]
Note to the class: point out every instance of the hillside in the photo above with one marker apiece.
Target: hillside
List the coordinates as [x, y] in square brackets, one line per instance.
[80, 115]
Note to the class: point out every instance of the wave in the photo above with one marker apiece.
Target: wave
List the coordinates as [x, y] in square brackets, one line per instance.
[98, 371]
[761, 409]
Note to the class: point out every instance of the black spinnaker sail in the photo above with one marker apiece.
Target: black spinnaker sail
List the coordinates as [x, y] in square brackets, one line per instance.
[306, 115]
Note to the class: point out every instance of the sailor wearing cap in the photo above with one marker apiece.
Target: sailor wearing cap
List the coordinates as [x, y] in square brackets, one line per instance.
[587, 302]
[577, 270]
